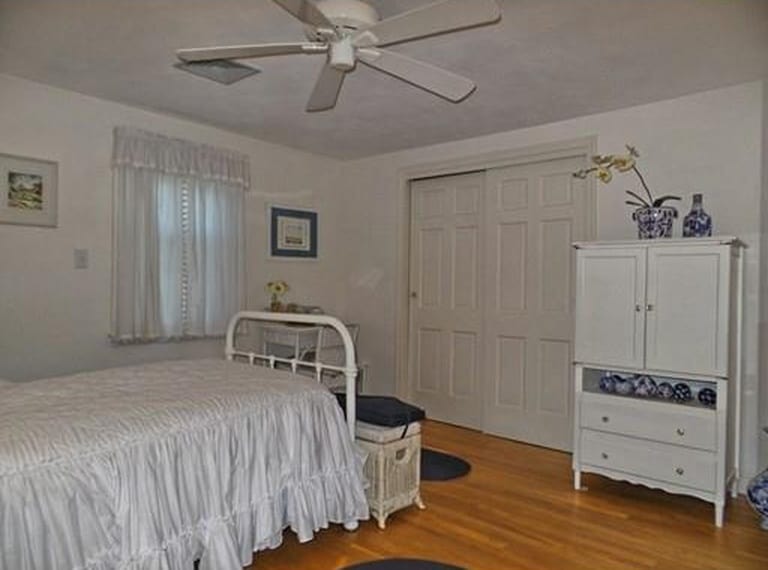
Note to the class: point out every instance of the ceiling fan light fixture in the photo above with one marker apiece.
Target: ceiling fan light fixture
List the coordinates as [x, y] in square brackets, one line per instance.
[342, 54]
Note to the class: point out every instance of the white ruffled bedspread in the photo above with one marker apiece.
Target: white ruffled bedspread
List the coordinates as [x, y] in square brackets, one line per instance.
[152, 467]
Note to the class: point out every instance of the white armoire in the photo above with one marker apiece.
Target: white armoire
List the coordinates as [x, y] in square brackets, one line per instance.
[669, 309]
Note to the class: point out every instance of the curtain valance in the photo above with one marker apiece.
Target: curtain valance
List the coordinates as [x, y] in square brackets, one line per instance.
[142, 149]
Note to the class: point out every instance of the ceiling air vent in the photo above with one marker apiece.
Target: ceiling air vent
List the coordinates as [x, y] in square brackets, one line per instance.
[220, 70]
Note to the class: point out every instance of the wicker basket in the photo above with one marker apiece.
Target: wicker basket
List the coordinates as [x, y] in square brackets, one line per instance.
[393, 472]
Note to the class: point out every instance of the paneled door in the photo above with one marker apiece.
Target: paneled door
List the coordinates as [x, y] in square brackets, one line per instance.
[533, 213]
[445, 305]
[687, 309]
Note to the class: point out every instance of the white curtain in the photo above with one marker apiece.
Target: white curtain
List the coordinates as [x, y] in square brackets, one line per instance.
[179, 246]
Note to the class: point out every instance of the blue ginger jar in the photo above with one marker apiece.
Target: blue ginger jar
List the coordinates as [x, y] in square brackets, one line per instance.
[697, 223]
[757, 495]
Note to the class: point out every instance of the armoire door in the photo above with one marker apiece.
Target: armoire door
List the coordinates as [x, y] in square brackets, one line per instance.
[533, 214]
[687, 309]
[445, 307]
[610, 306]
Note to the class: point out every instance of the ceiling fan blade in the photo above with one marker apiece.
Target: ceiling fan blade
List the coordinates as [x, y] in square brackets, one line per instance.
[307, 12]
[443, 16]
[248, 51]
[430, 78]
[326, 90]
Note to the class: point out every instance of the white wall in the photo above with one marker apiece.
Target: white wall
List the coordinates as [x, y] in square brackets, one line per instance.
[54, 319]
[708, 142]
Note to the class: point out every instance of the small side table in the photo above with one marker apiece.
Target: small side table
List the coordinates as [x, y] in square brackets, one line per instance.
[289, 341]
[392, 467]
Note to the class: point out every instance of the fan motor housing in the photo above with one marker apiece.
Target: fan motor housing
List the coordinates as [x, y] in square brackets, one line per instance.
[349, 14]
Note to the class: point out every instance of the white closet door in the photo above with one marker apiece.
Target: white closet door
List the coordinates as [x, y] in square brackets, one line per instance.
[610, 307]
[533, 214]
[445, 310]
[687, 311]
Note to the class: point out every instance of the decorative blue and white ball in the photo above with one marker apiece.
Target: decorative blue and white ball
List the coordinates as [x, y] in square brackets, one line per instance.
[665, 391]
[645, 386]
[624, 386]
[682, 393]
[757, 495]
[708, 397]
[608, 383]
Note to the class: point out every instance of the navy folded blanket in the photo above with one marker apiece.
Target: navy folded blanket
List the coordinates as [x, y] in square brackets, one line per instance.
[383, 410]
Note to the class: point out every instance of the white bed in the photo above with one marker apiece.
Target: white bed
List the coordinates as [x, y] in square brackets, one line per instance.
[151, 467]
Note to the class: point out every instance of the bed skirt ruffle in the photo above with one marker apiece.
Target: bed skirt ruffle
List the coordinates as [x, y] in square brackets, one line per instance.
[215, 482]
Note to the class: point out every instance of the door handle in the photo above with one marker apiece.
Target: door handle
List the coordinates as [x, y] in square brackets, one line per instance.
[414, 295]
[649, 307]
[638, 308]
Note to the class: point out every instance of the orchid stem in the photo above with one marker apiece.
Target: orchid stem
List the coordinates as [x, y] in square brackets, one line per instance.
[642, 181]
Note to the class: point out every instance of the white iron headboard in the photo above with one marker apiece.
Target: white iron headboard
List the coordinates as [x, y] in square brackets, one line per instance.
[349, 369]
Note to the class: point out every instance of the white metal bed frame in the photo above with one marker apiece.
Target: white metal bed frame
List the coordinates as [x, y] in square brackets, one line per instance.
[349, 369]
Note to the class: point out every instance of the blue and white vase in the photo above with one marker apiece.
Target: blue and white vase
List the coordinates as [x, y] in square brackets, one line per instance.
[697, 223]
[757, 495]
[654, 223]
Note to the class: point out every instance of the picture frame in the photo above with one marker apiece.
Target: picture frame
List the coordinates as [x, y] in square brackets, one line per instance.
[28, 191]
[292, 233]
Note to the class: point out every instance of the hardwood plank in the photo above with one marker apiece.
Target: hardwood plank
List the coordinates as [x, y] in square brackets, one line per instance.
[517, 509]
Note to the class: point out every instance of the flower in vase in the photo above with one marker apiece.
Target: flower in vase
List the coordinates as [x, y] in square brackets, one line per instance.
[277, 289]
[605, 163]
[604, 174]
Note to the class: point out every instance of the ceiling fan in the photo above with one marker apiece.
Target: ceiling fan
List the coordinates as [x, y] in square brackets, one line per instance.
[348, 31]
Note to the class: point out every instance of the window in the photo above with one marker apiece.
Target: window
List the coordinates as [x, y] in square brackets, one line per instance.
[178, 238]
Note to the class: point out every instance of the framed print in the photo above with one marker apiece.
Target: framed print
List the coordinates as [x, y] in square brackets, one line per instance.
[28, 191]
[292, 233]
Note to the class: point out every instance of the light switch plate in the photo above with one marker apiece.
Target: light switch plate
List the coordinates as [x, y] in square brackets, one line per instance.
[81, 259]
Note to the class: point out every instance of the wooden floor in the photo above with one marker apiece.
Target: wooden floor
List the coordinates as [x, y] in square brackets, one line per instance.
[517, 510]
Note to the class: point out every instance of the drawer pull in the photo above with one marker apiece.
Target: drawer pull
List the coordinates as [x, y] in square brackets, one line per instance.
[604, 455]
[605, 419]
[680, 432]
[680, 471]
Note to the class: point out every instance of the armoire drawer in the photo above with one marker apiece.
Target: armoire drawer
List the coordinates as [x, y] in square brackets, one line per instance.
[650, 420]
[658, 461]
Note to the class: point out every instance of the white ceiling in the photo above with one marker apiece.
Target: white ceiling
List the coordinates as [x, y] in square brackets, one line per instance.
[545, 61]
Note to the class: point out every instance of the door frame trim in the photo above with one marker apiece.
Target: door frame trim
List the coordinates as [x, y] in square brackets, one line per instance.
[584, 147]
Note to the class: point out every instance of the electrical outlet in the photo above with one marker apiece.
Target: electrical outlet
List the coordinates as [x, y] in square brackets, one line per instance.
[81, 259]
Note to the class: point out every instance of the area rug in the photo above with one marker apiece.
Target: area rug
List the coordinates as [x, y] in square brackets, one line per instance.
[439, 466]
[402, 564]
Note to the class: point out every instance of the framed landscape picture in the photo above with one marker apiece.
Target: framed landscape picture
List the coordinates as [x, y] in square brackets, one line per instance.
[292, 233]
[28, 191]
